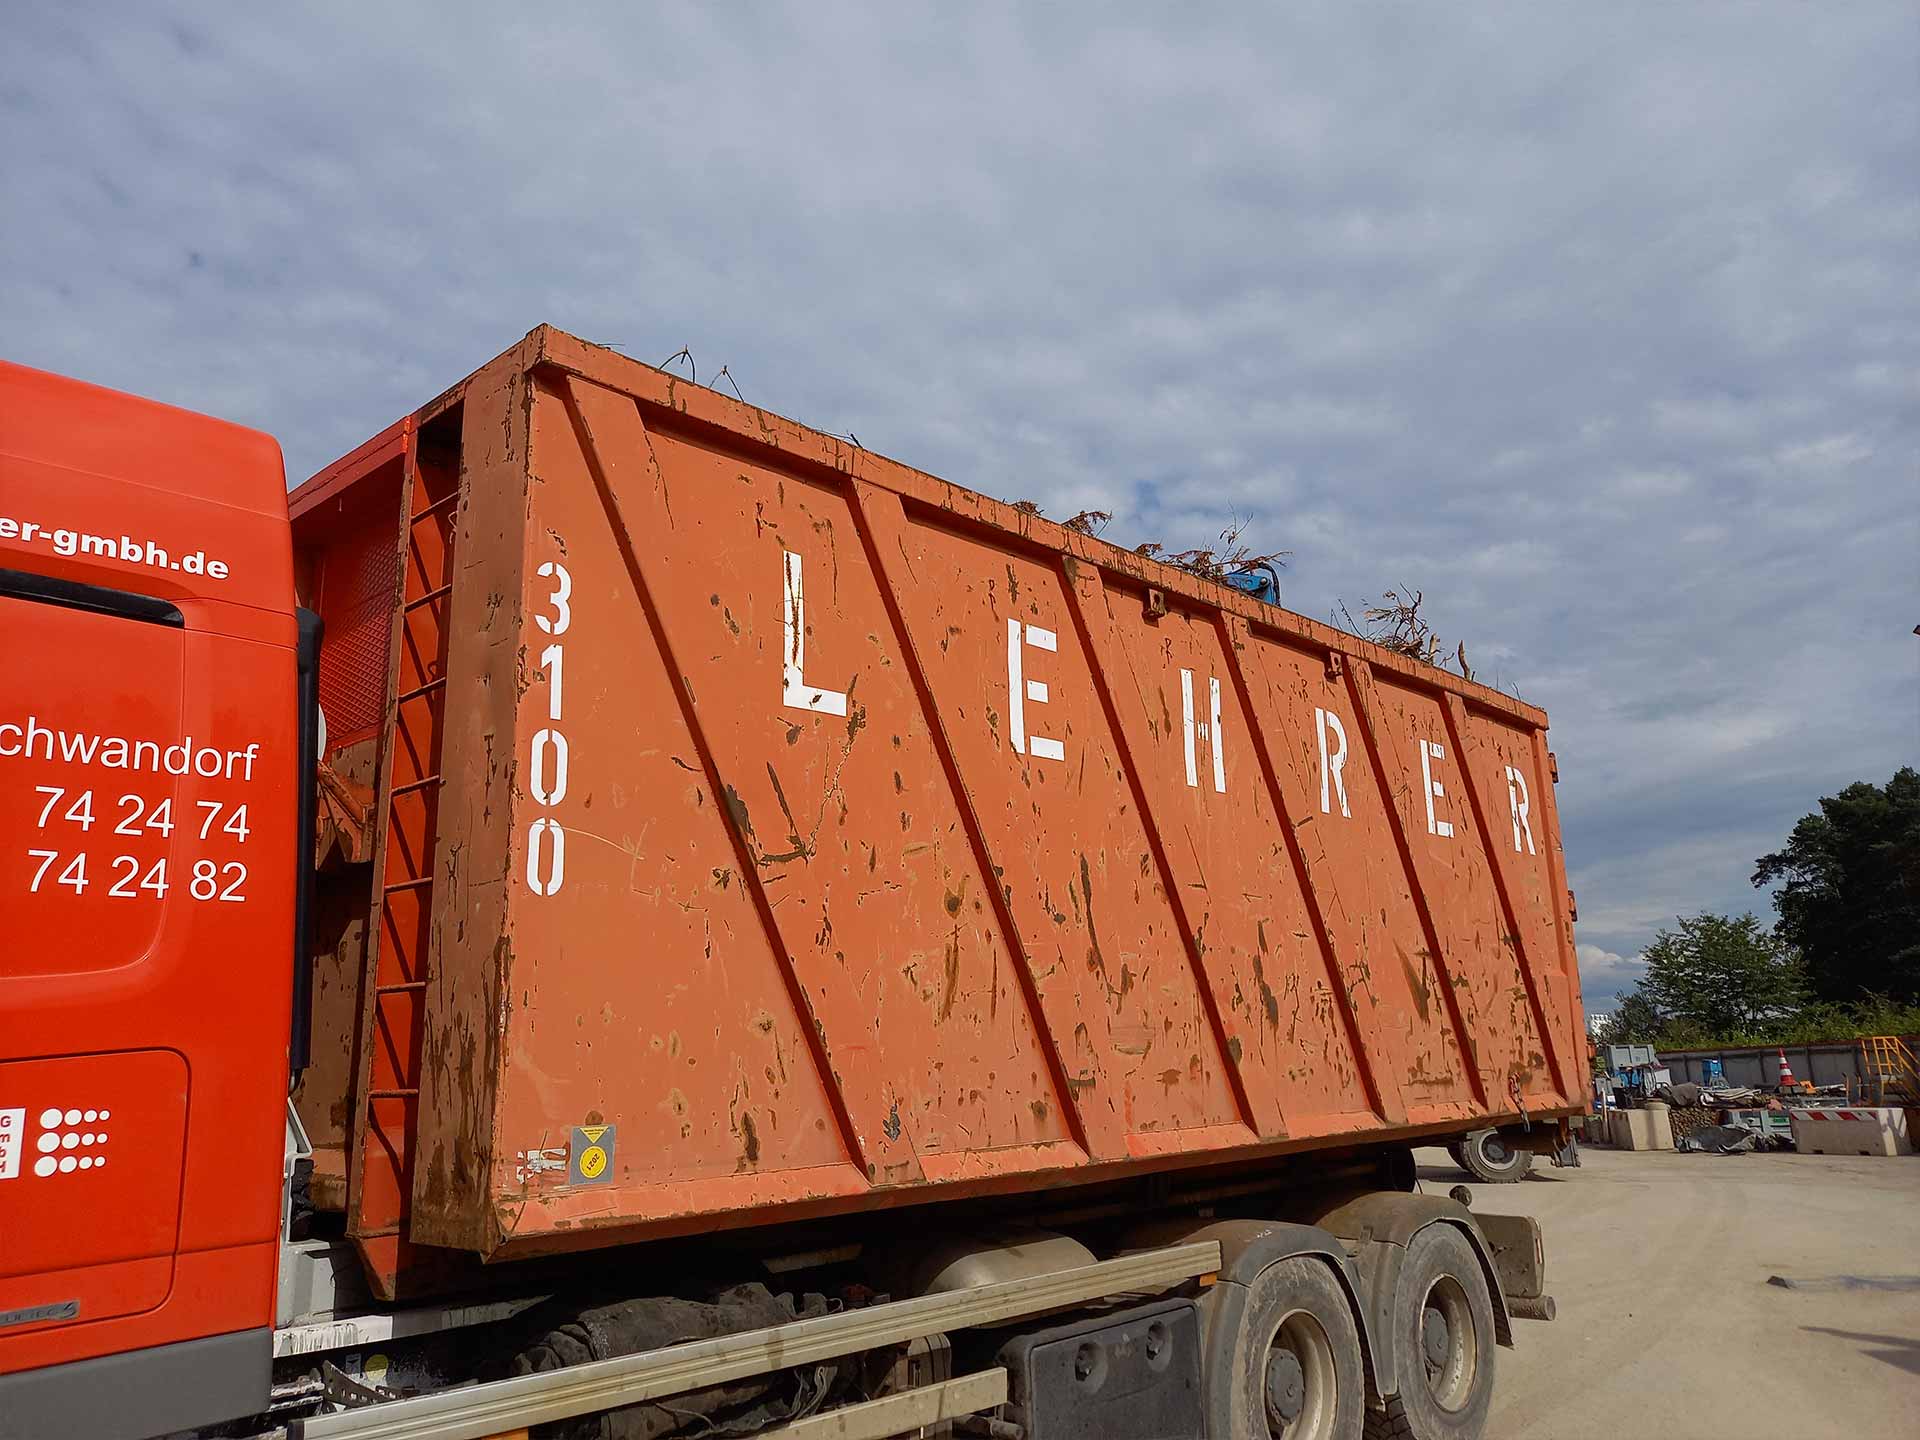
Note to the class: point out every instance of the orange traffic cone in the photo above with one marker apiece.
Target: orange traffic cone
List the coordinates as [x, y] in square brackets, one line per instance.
[1786, 1071]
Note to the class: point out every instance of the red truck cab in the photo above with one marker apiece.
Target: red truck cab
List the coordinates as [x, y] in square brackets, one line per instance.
[150, 752]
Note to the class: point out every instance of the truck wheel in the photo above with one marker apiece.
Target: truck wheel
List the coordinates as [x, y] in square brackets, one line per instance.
[1296, 1361]
[1443, 1338]
[1489, 1158]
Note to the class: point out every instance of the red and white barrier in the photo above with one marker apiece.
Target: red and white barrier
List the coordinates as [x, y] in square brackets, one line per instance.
[1869, 1130]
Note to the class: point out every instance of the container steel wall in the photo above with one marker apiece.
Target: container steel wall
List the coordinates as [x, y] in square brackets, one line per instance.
[816, 834]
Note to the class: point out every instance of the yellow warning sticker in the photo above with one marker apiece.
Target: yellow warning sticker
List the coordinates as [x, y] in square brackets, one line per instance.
[590, 1156]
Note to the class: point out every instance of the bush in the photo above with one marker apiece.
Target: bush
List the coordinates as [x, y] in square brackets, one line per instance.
[1816, 1024]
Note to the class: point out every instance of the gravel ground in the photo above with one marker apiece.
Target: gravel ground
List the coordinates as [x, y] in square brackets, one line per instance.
[1667, 1325]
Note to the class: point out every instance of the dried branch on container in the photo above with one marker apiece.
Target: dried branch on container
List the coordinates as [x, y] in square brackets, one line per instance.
[1088, 522]
[1229, 555]
[1396, 624]
[683, 353]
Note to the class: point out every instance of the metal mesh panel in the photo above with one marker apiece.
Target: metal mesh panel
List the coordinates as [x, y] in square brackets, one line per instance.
[359, 589]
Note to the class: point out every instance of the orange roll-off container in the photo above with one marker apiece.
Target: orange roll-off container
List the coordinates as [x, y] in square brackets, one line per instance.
[758, 828]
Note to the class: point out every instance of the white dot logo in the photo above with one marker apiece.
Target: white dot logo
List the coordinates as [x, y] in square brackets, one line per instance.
[49, 1119]
[73, 1117]
[69, 1141]
[106, 1114]
[86, 1162]
[47, 1142]
[45, 1165]
[91, 1116]
[68, 1164]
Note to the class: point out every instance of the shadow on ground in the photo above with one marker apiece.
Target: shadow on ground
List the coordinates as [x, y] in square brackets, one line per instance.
[1894, 1350]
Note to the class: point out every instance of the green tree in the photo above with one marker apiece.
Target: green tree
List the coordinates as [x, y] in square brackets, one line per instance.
[1848, 892]
[1717, 975]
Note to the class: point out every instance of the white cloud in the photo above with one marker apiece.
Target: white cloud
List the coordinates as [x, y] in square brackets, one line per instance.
[1829, 455]
[1602, 333]
[1664, 483]
[1606, 975]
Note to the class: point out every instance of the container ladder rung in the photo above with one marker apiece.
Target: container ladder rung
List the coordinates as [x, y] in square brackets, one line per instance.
[419, 690]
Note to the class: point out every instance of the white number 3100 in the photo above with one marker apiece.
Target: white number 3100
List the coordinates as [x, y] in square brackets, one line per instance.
[547, 760]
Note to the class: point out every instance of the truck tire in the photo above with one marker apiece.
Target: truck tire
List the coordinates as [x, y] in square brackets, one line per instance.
[1443, 1334]
[1489, 1158]
[1296, 1371]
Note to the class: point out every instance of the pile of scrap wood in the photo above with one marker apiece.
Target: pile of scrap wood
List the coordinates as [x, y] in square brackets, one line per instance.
[1687, 1119]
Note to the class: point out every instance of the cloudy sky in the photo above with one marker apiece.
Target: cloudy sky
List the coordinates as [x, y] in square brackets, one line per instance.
[1600, 325]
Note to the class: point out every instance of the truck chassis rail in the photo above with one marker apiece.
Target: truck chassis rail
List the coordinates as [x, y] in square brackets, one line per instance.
[478, 1411]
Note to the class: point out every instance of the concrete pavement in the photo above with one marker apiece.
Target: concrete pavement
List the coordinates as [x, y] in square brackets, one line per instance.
[1667, 1325]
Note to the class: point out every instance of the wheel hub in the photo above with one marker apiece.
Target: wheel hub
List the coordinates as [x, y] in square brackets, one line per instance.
[1435, 1342]
[1448, 1345]
[1286, 1388]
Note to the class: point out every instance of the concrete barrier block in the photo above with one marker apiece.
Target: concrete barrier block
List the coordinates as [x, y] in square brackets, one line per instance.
[1855, 1130]
[1661, 1123]
[1641, 1130]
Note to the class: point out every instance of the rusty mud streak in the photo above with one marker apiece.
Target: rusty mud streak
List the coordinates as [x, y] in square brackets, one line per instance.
[1417, 983]
[1269, 1005]
[1096, 961]
[751, 1136]
[856, 714]
[741, 817]
[952, 959]
[801, 850]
